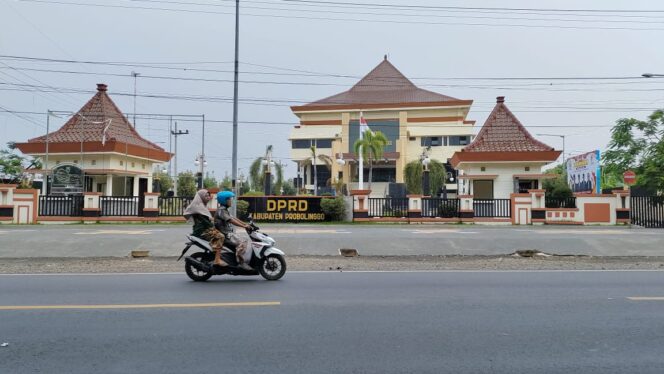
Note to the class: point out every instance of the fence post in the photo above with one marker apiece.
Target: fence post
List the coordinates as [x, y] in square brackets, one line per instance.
[360, 204]
[91, 207]
[414, 206]
[466, 210]
[151, 207]
[622, 207]
[7, 203]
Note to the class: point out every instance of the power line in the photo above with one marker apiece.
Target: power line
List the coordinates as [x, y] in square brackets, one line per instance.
[310, 18]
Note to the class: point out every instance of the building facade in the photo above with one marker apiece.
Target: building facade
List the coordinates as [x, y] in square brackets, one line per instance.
[503, 159]
[99, 141]
[412, 119]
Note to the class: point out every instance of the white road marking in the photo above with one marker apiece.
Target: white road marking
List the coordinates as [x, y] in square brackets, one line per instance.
[646, 298]
[140, 306]
[113, 232]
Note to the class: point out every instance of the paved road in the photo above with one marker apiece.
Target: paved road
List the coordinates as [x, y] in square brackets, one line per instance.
[167, 240]
[430, 322]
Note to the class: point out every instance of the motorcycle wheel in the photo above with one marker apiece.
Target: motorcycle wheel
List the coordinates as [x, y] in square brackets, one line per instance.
[195, 274]
[273, 267]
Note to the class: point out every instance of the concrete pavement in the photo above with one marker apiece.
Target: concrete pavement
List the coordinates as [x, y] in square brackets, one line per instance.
[167, 240]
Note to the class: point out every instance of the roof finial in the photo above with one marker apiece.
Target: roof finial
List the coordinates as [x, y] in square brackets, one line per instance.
[385, 57]
[500, 99]
[101, 87]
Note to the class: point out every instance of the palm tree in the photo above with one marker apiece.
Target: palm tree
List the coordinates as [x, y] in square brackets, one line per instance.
[257, 174]
[372, 146]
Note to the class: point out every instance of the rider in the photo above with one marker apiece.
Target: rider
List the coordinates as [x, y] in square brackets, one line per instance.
[224, 222]
[198, 214]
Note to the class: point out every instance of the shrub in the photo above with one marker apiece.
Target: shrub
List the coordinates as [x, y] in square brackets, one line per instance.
[334, 209]
[254, 193]
[242, 209]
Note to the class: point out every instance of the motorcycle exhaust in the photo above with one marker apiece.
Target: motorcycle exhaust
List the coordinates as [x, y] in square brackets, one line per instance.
[197, 264]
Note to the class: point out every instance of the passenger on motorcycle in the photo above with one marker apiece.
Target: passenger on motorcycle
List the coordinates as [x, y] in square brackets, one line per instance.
[224, 222]
[198, 214]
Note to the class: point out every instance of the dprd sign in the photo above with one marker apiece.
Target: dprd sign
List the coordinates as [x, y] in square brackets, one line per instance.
[285, 208]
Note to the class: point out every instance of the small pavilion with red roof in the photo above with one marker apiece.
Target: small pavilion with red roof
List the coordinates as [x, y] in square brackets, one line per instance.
[100, 142]
[504, 158]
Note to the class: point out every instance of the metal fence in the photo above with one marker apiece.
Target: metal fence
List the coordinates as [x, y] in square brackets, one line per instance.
[68, 206]
[388, 207]
[444, 208]
[564, 202]
[492, 208]
[173, 206]
[647, 211]
[115, 206]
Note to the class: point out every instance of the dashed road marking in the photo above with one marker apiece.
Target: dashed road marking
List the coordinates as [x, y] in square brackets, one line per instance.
[113, 232]
[646, 298]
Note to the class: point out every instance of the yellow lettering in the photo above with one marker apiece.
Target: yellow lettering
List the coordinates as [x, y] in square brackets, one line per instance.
[303, 205]
[271, 205]
[292, 205]
[281, 204]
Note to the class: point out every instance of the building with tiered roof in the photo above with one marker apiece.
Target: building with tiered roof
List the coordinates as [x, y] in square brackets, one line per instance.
[503, 158]
[99, 141]
[411, 118]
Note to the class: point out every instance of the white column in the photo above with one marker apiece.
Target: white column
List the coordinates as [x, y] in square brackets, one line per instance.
[135, 188]
[109, 185]
[150, 183]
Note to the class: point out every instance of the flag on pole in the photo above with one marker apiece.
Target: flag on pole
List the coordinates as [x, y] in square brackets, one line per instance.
[364, 126]
[103, 132]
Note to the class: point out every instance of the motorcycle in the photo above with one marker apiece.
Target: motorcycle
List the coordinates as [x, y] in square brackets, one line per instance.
[266, 260]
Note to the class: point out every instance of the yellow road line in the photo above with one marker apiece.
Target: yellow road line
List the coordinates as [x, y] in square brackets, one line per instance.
[646, 298]
[140, 306]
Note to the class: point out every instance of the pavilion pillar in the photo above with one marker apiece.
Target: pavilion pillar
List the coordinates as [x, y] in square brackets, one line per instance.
[109, 185]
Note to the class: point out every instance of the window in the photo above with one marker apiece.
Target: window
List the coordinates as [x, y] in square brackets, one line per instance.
[459, 140]
[483, 189]
[412, 138]
[323, 143]
[301, 143]
[483, 168]
[431, 141]
[143, 166]
[121, 163]
[133, 164]
[76, 161]
[93, 162]
[527, 168]
[525, 185]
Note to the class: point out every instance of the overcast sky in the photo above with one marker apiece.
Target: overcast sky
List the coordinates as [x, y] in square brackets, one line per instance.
[282, 40]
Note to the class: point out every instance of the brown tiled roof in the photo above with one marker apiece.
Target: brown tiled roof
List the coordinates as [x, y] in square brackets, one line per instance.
[385, 84]
[502, 132]
[88, 124]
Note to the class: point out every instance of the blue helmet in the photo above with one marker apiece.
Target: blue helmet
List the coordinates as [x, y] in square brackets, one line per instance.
[222, 196]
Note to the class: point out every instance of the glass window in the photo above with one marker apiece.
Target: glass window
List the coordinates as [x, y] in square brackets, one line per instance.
[460, 140]
[431, 141]
[301, 143]
[324, 143]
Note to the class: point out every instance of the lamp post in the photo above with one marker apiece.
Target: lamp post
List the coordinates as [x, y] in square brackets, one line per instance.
[426, 183]
[341, 162]
[268, 164]
[201, 163]
[135, 75]
[560, 136]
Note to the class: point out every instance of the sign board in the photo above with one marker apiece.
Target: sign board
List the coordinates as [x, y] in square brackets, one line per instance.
[67, 180]
[629, 177]
[285, 208]
[583, 173]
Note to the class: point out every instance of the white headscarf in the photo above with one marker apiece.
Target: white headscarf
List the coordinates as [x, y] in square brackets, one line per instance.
[198, 206]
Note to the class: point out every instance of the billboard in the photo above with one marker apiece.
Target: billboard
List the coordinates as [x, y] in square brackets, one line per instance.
[285, 208]
[583, 173]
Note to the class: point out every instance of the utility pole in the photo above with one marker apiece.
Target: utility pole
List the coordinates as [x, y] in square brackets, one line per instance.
[177, 133]
[135, 75]
[235, 106]
[45, 166]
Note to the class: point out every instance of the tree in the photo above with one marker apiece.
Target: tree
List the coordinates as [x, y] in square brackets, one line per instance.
[372, 146]
[164, 180]
[226, 184]
[257, 176]
[11, 166]
[413, 176]
[210, 182]
[186, 184]
[637, 145]
[557, 187]
[289, 188]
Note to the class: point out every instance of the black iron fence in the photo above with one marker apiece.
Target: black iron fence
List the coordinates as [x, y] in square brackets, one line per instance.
[115, 206]
[492, 208]
[67, 206]
[444, 208]
[388, 207]
[173, 206]
[647, 211]
[564, 202]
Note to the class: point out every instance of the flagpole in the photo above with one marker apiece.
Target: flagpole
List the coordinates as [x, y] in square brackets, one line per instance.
[361, 162]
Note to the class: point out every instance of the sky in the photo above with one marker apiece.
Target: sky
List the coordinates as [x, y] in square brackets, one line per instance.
[297, 51]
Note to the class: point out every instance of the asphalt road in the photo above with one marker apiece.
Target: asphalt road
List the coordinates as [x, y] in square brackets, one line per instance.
[421, 322]
[167, 240]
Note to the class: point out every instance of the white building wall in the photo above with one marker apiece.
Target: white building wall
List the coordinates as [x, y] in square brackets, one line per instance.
[503, 184]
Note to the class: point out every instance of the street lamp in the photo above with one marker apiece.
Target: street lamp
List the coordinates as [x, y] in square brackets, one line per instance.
[201, 163]
[560, 136]
[425, 160]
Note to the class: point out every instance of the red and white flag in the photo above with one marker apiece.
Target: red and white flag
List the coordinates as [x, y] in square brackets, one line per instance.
[364, 126]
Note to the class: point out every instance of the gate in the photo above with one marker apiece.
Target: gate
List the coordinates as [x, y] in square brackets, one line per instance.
[492, 208]
[388, 207]
[67, 206]
[647, 211]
